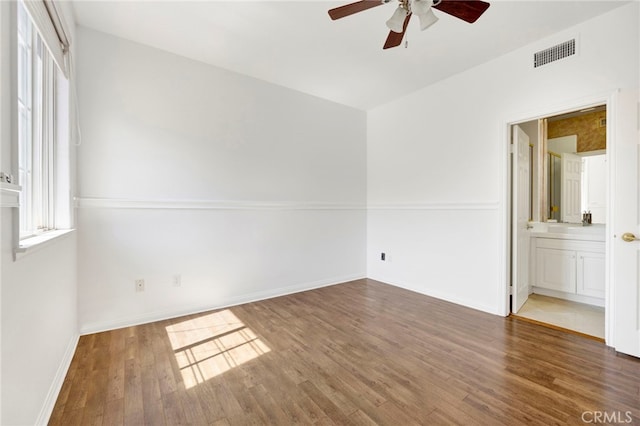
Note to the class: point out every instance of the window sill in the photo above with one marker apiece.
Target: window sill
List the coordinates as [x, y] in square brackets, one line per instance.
[33, 244]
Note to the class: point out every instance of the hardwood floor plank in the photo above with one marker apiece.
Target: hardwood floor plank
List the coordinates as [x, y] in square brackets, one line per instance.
[152, 404]
[321, 378]
[228, 402]
[114, 412]
[72, 417]
[329, 409]
[173, 409]
[358, 353]
[193, 412]
[309, 407]
[389, 413]
[63, 396]
[211, 407]
[512, 411]
[274, 415]
[94, 410]
[274, 390]
[115, 367]
[133, 396]
[461, 414]
[77, 396]
[360, 418]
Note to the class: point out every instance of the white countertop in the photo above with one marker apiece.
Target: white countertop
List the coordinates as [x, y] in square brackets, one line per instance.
[568, 231]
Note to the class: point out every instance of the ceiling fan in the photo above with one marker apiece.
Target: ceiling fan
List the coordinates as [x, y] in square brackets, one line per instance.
[468, 11]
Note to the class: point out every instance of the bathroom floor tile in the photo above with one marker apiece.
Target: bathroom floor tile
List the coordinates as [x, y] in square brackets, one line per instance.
[580, 317]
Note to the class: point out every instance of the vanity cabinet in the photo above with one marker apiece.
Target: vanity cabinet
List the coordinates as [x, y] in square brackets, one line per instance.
[556, 269]
[590, 274]
[571, 269]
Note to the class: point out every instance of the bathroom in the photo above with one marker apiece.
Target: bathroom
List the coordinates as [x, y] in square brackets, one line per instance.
[559, 180]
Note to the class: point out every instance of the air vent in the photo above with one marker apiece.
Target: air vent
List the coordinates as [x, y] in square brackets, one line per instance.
[552, 54]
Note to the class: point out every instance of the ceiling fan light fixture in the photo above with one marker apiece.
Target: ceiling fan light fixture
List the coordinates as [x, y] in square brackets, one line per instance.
[396, 22]
[427, 19]
[420, 7]
[467, 10]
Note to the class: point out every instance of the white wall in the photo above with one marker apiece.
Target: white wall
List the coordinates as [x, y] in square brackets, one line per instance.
[39, 327]
[38, 308]
[563, 144]
[246, 189]
[436, 166]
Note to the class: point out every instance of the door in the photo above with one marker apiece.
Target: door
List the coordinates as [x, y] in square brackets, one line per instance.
[625, 292]
[556, 269]
[594, 187]
[521, 199]
[571, 187]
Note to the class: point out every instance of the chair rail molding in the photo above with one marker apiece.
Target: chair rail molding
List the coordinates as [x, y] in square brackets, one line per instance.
[116, 203]
[493, 205]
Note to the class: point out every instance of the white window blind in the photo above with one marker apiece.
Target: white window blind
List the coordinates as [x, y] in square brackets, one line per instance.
[51, 27]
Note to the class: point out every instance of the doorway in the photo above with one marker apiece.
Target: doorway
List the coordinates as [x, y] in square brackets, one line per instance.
[559, 177]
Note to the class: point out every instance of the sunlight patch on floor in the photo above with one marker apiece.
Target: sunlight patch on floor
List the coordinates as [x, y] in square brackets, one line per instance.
[209, 345]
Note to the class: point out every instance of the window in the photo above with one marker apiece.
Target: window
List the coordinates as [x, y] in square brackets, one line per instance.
[38, 77]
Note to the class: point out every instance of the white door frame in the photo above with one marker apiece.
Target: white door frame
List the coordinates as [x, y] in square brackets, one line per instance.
[610, 100]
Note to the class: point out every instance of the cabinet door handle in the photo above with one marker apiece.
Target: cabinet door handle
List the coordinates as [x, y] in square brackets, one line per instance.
[629, 237]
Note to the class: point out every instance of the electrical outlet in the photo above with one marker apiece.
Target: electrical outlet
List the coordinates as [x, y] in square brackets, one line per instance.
[177, 280]
[139, 285]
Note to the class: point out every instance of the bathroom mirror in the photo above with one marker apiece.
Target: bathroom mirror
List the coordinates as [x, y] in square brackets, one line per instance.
[584, 191]
[568, 166]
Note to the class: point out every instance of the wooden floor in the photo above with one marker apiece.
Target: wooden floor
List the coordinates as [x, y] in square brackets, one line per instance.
[357, 353]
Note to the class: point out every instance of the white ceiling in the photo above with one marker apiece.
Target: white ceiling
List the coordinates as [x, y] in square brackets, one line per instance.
[295, 44]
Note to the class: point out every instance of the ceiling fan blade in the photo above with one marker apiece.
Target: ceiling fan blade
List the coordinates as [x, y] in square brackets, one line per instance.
[395, 39]
[350, 9]
[468, 11]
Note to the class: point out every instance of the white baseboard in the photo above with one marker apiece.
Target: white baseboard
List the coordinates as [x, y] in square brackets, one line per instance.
[595, 301]
[58, 380]
[493, 310]
[100, 326]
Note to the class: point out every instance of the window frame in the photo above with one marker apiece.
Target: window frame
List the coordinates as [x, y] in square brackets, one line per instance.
[57, 207]
[37, 135]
